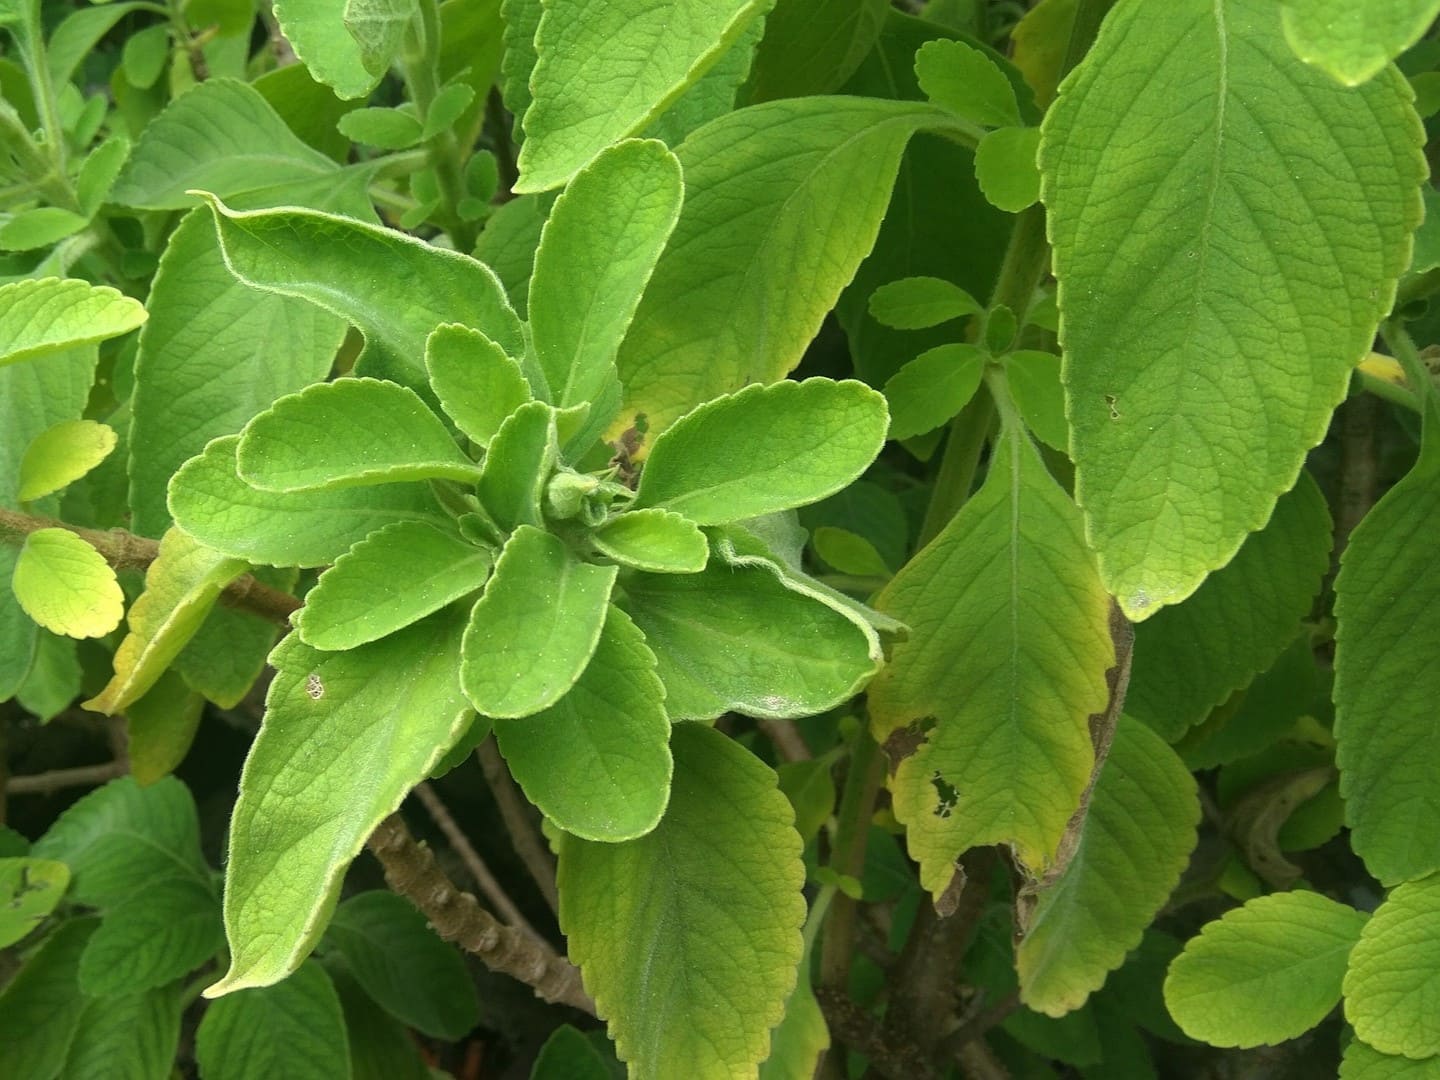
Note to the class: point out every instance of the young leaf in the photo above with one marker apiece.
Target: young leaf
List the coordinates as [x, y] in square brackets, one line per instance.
[961, 78]
[38, 317]
[1008, 651]
[386, 129]
[764, 449]
[660, 541]
[66, 586]
[353, 730]
[1006, 170]
[534, 630]
[1034, 381]
[29, 891]
[519, 462]
[1140, 830]
[160, 933]
[394, 577]
[62, 454]
[597, 762]
[326, 437]
[582, 102]
[1393, 975]
[294, 1029]
[933, 387]
[715, 888]
[309, 528]
[1222, 268]
[849, 553]
[477, 384]
[40, 1008]
[1265, 972]
[917, 303]
[1352, 42]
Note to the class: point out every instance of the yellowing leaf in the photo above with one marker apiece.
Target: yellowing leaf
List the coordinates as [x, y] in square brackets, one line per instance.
[61, 455]
[45, 315]
[66, 586]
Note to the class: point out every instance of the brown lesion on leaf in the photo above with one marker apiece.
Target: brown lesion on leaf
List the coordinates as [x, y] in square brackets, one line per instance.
[946, 795]
[903, 742]
[1110, 402]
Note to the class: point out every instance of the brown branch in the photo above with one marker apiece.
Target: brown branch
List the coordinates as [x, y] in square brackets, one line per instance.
[48, 782]
[411, 871]
[974, 1029]
[786, 738]
[854, 1027]
[515, 811]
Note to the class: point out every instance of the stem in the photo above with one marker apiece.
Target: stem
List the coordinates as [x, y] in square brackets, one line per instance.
[786, 738]
[422, 77]
[515, 812]
[852, 833]
[1027, 258]
[968, 433]
[47, 783]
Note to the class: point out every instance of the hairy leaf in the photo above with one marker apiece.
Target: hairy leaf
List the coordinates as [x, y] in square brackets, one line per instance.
[294, 1029]
[477, 384]
[933, 387]
[66, 586]
[316, 30]
[518, 463]
[1353, 42]
[660, 541]
[1393, 977]
[39, 317]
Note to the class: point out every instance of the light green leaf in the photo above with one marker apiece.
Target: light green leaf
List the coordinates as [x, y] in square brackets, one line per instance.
[764, 449]
[917, 303]
[98, 172]
[29, 891]
[62, 454]
[77, 33]
[394, 577]
[522, 19]
[66, 586]
[134, 1037]
[1363, 1062]
[569, 1055]
[449, 105]
[403, 966]
[39, 317]
[355, 729]
[800, 1038]
[387, 129]
[715, 888]
[225, 658]
[1222, 268]
[395, 288]
[1190, 657]
[518, 463]
[739, 295]
[1005, 167]
[39, 227]
[181, 586]
[1394, 973]
[961, 78]
[477, 384]
[713, 95]
[161, 727]
[1008, 650]
[849, 553]
[660, 541]
[1353, 42]
[40, 1008]
[380, 28]
[159, 934]
[813, 46]
[534, 630]
[1134, 845]
[317, 32]
[582, 102]
[1265, 972]
[308, 528]
[933, 387]
[294, 1029]
[597, 762]
[1034, 381]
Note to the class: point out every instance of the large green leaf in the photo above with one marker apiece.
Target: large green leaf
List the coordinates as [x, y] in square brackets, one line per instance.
[535, 628]
[133, 1037]
[813, 46]
[582, 101]
[1008, 650]
[66, 586]
[306, 528]
[316, 30]
[1228, 225]
[29, 890]
[159, 934]
[597, 762]
[782, 201]
[294, 1029]
[1190, 657]
[569, 1055]
[343, 731]
[39, 317]
[1363, 1062]
[1264, 973]
[1134, 845]
[40, 1008]
[1354, 41]
[1394, 974]
[689, 937]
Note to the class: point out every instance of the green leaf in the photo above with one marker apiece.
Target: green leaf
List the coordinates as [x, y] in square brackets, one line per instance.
[355, 729]
[29, 891]
[225, 658]
[961, 78]
[917, 303]
[395, 288]
[387, 129]
[813, 46]
[764, 449]
[1363, 1062]
[159, 934]
[1190, 657]
[40, 227]
[1006, 170]
[78, 33]
[738, 296]
[161, 727]
[1393, 975]
[849, 553]
[1034, 381]
[316, 30]
[1222, 267]
[134, 1036]
[583, 102]
[811, 790]
[381, 1048]
[380, 27]
[522, 19]
[449, 105]
[403, 966]
[294, 1029]
[394, 577]
[66, 586]
[714, 94]
[715, 888]
[569, 1055]
[122, 839]
[597, 762]
[55, 676]
[518, 463]
[62, 454]
[477, 384]
[42, 317]
[1008, 650]
[535, 628]
[144, 55]
[1353, 42]
[99, 171]
[660, 541]
[181, 587]
[929, 390]
[308, 528]
[40, 1008]
[1264, 973]
[1134, 845]
[800, 1038]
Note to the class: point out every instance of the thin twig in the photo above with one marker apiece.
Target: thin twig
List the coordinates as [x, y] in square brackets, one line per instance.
[976, 1026]
[47, 782]
[786, 738]
[515, 811]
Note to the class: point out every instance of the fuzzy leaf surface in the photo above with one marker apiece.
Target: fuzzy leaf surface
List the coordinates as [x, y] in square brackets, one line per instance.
[660, 541]
[932, 388]
[1394, 973]
[316, 30]
[477, 384]
[518, 463]
[38, 317]
[66, 586]
[294, 1029]
[1353, 42]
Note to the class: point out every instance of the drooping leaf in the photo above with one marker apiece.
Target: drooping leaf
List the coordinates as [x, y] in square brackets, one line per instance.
[715, 888]
[317, 32]
[66, 586]
[660, 541]
[519, 461]
[293, 1029]
[135, 1035]
[29, 890]
[477, 384]
[1393, 976]
[1008, 651]
[535, 628]
[582, 102]
[39, 317]
[597, 762]
[63, 454]
[961, 78]
[917, 303]
[933, 387]
[40, 1008]
[355, 729]
[1135, 843]
[161, 727]
[813, 46]
[1264, 973]
[159, 934]
[1222, 268]
[1352, 42]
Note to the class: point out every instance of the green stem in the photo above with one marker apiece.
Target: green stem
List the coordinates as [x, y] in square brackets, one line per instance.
[1384, 388]
[968, 433]
[31, 47]
[852, 834]
[442, 153]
